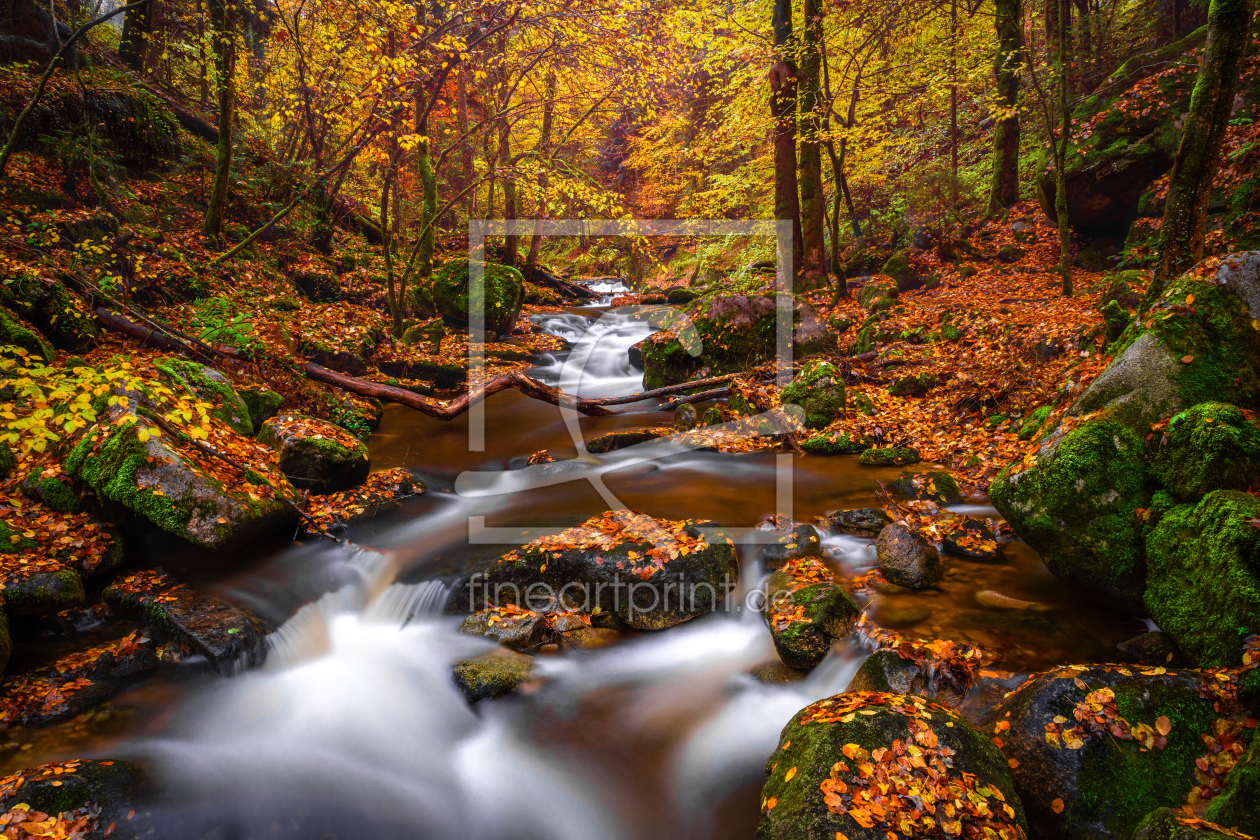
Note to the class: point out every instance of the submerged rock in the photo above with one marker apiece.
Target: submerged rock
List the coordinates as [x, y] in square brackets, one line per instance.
[222, 633]
[1094, 749]
[1204, 576]
[1076, 505]
[807, 610]
[493, 674]
[907, 559]
[315, 454]
[856, 765]
[862, 522]
[621, 566]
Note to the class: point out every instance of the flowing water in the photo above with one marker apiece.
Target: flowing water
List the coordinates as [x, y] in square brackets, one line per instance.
[353, 728]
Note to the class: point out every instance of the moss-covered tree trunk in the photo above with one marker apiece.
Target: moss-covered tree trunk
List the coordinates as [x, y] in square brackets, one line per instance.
[783, 76]
[1211, 102]
[1008, 23]
[137, 24]
[428, 183]
[223, 22]
[814, 269]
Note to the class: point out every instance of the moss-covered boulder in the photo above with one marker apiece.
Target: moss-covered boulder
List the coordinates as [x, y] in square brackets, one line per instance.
[15, 332]
[315, 454]
[1196, 344]
[51, 488]
[875, 289]
[58, 315]
[836, 443]
[933, 485]
[8, 461]
[318, 286]
[1211, 446]
[613, 441]
[262, 404]
[224, 634]
[1133, 137]
[75, 786]
[502, 296]
[806, 611]
[781, 542]
[1034, 423]
[900, 269]
[174, 488]
[819, 389]
[1173, 824]
[1094, 749]
[857, 765]
[1077, 505]
[1203, 585]
[491, 675]
[892, 456]
[208, 385]
[888, 672]
[1238, 805]
[621, 568]
[43, 592]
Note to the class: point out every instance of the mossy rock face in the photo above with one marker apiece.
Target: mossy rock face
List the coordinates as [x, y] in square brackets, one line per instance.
[52, 491]
[1075, 777]
[53, 311]
[619, 577]
[1077, 507]
[1191, 353]
[8, 461]
[875, 289]
[1031, 426]
[261, 404]
[819, 389]
[1238, 806]
[1204, 579]
[935, 485]
[885, 671]
[1116, 319]
[70, 785]
[813, 786]
[209, 385]
[833, 444]
[123, 470]
[504, 293]
[17, 333]
[896, 456]
[315, 454]
[42, 593]
[900, 269]
[1211, 446]
[1171, 824]
[805, 621]
[493, 674]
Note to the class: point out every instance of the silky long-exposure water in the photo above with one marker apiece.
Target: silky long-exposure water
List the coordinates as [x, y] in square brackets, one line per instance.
[354, 727]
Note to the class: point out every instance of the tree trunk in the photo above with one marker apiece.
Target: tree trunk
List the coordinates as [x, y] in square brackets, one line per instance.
[509, 193]
[1211, 103]
[783, 110]
[132, 46]
[953, 104]
[223, 22]
[814, 268]
[544, 142]
[466, 154]
[428, 184]
[1060, 176]
[1004, 187]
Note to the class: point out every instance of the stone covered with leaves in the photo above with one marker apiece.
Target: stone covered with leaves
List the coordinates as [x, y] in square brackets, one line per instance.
[807, 610]
[315, 454]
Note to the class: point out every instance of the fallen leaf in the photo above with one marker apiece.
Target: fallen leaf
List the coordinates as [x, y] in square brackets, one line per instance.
[1187, 359]
[1057, 806]
[1163, 725]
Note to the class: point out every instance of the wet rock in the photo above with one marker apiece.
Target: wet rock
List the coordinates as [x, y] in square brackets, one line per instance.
[620, 440]
[173, 491]
[382, 493]
[906, 559]
[207, 384]
[712, 416]
[816, 787]
[836, 443]
[889, 457]
[863, 522]
[797, 540]
[776, 673]
[223, 634]
[527, 630]
[1155, 648]
[1185, 354]
[635, 355]
[504, 292]
[42, 592]
[819, 389]
[1077, 507]
[315, 454]
[1204, 580]
[915, 385]
[973, 539]
[261, 404]
[1172, 824]
[934, 485]
[621, 567]
[886, 671]
[78, 785]
[493, 674]
[806, 611]
[1211, 446]
[684, 418]
[1094, 749]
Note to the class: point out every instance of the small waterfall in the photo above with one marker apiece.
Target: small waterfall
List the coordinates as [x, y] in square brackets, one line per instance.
[598, 365]
[401, 602]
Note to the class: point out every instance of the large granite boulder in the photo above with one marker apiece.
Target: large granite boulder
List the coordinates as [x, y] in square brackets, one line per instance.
[502, 295]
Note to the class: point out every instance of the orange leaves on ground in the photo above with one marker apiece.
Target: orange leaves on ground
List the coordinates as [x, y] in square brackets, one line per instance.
[658, 540]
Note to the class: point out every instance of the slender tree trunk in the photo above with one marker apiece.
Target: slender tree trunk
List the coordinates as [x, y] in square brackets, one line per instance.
[428, 185]
[953, 103]
[132, 46]
[1004, 187]
[223, 22]
[1211, 103]
[466, 153]
[814, 268]
[1060, 177]
[202, 64]
[544, 142]
[783, 75]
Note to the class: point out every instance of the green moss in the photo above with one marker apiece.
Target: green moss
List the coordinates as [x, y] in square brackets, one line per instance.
[819, 389]
[15, 332]
[833, 444]
[8, 461]
[1238, 806]
[261, 404]
[213, 387]
[492, 675]
[504, 292]
[722, 347]
[43, 593]
[52, 492]
[1211, 446]
[889, 457]
[1204, 588]
[1165, 824]
[1077, 508]
[1034, 423]
[876, 289]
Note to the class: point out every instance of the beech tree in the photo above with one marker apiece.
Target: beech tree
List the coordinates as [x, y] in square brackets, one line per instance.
[1008, 24]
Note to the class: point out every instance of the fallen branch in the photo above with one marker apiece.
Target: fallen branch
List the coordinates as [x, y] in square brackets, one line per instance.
[665, 391]
[527, 385]
[566, 287]
[716, 393]
[158, 335]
